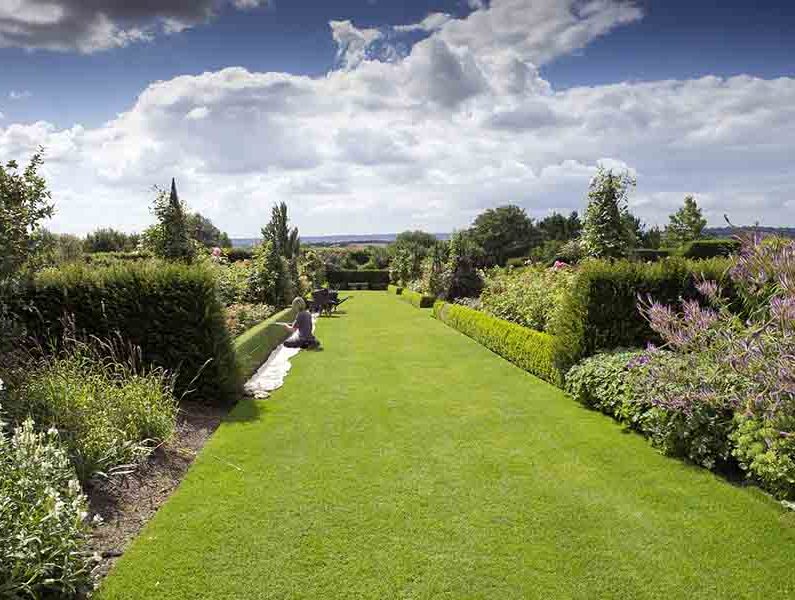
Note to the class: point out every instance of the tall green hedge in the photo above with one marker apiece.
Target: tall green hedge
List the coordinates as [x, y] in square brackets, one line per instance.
[255, 345]
[171, 311]
[416, 299]
[600, 312]
[375, 279]
[533, 351]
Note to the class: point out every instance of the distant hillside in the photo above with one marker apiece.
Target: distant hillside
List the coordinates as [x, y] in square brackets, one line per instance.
[337, 240]
[730, 232]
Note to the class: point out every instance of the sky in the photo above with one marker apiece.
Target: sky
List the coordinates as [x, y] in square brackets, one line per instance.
[375, 116]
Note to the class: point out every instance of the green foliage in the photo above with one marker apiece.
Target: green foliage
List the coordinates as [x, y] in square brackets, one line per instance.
[202, 229]
[43, 531]
[242, 317]
[763, 450]
[268, 280]
[650, 254]
[709, 248]
[58, 249]
[312, 267]
[378, 259]
[530, 350]
[110, 240]
[25, 202]
[601, 382]
[605, 233]
[376, 280]
[170, 310]
[417, 299]
[239, 254]
[396, 290]
[432, 279]
[504, 232]
[255, 345]
[109, 411]
[106, 259]
[686, 225]
[233, 280]
[406, 255]
[600, 311]
[526, 297]
[285, 241]
[461, 278]
[558, 228]
[170, 238]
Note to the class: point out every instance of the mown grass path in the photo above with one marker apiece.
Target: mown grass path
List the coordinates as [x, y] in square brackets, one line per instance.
[406, 461]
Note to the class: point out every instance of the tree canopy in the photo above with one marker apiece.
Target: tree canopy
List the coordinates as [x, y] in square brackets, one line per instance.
[606, 230]
[504, 232]
[686, 224]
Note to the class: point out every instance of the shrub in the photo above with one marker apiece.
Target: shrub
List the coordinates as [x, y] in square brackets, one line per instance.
[170, 311]
[42, 518]
[709, 248]
[529, 350]
[109, 411]
[241, 317]
[104, 259]
[394, 289]
[255, 345]
[376, 280]
[527, 297]
[517, 262]
[600, 382]
[417, 299]
[233, 282]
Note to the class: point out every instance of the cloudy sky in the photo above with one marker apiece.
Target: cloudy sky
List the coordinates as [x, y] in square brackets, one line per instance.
[373, 116]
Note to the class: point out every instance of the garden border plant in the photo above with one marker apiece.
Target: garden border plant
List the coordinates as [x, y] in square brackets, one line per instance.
[417, 299]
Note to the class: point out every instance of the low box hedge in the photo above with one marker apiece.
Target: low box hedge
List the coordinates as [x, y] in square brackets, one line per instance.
[171, 311]
[600, 311]
[255, 345]
[530, 350]
[393, 289]
[417, 299]
[375, 279]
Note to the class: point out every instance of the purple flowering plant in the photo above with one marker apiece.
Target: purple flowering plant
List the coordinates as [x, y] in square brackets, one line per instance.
[722, 385]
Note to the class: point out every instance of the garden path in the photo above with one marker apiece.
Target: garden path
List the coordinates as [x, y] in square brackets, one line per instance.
[406, 461]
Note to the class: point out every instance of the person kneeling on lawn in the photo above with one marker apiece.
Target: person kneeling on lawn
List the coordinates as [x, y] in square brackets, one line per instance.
[303, 325]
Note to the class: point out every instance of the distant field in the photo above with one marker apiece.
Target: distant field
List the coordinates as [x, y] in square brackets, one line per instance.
[369, 239]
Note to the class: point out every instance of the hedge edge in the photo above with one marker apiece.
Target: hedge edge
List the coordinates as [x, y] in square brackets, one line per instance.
[393, 289]
[416, 299]
[530, 350]
[253, 347]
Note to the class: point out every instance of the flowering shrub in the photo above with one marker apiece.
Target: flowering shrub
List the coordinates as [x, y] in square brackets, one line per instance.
[110, 414]
[241, 317]
[733, 375]
[528, 297]
[42, 517]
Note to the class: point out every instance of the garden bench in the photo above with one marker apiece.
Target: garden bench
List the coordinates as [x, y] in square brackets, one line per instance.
[359, 286]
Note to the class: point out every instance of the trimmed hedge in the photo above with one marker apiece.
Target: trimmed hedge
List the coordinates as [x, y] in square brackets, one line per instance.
[255, 345]
[530, 350]
[417, 299]
[376, 280]
[171, 311]
[600, 311]
[393, 289]
[709, 248]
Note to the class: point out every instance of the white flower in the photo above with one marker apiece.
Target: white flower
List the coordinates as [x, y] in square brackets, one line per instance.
[97, 520]
[52, 431]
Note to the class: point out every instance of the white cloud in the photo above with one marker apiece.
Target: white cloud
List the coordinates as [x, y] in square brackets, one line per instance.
[66, 25]
[425, 141]
[19, 95]
[432, 22]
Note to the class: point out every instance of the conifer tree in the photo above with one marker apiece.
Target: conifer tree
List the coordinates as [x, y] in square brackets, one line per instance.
[686, 224]
[605, 233]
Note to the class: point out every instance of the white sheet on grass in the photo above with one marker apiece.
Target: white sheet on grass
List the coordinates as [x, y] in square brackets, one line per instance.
[270, 376]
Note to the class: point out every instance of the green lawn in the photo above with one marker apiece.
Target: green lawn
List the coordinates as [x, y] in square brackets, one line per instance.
[406, 461]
